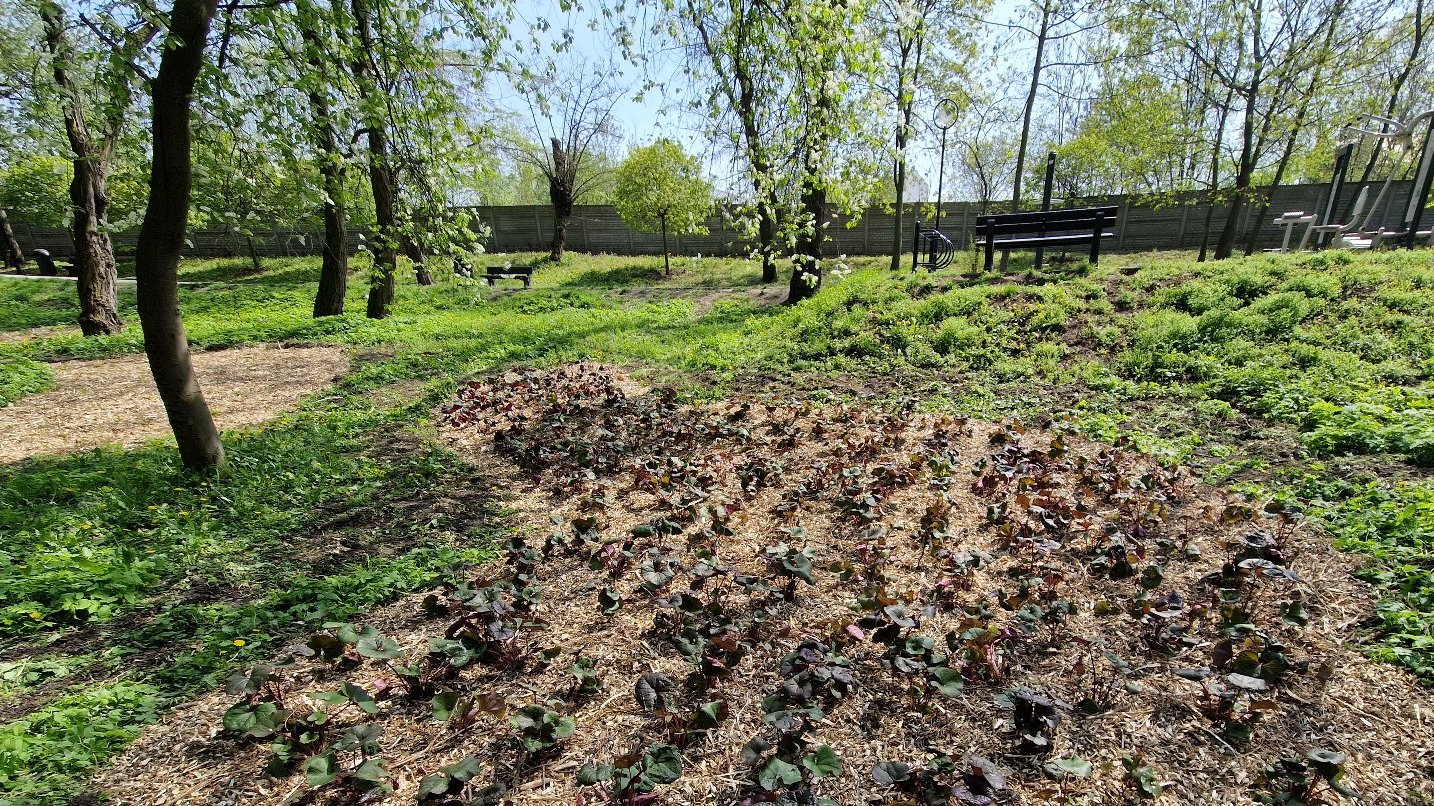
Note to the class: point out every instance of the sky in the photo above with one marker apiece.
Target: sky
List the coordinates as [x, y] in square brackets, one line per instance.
[652, 105]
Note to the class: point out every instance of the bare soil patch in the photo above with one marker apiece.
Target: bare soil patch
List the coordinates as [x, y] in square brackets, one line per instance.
[982, 598]
[114, 401]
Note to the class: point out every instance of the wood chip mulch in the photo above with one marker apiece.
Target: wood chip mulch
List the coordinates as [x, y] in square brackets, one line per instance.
[966, 526]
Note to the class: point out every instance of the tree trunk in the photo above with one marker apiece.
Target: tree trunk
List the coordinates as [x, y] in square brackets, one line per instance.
[89, 196]
[385, 258]
[807, 271]
[14, 256]
[666, 262]
[560, 193]
[1300, 115]
[744, 101]
[334, 276]
[1041, 37]
[1215, 174]
[905, 108]
[413, 248]
[161, 238]
[1226, 245]
[767, 238]
[380, 175]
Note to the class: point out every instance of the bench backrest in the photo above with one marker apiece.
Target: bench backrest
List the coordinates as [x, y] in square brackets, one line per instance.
[1066, 220]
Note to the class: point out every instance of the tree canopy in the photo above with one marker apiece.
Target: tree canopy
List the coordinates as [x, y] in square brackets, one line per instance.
[662, 186]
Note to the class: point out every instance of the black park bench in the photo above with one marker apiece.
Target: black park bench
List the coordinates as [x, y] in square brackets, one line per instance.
[496, 273]
[1045, 229]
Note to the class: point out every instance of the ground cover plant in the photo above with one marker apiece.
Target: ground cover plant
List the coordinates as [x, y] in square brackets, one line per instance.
[914, 607]
[1298, 379]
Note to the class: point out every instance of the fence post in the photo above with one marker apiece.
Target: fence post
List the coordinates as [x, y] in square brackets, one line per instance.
[1124, 222]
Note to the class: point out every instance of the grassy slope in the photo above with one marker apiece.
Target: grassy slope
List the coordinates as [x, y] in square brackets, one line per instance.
[1305, 377]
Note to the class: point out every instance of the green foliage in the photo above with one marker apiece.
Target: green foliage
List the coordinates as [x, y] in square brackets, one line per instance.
[40, 754]
[22, 376]
[660, 184]
[35, 190]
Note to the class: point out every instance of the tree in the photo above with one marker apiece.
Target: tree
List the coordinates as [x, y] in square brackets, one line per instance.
[909, 29]
[735, 39]
[1051, 22]
[660, 184]
[830, 58]
[13, 258]
[161, 237]
[1261, 59]
[34, 189]
[92, 135]
[570, 123]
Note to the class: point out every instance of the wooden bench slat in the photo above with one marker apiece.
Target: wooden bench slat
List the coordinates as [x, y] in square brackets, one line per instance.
[1053, 226]
[1037, 216]
[1007, 244]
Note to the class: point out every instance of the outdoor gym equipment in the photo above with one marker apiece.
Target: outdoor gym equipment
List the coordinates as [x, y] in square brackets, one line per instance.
[1397, 141]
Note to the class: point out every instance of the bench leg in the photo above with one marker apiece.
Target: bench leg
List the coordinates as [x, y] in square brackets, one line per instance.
[490, 281]
[990, 253]
[1095, 250]
[527, 282]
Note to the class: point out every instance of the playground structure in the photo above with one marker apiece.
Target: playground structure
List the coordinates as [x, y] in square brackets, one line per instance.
[1364, 227]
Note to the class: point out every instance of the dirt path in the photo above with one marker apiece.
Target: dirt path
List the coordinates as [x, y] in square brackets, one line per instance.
[113, 401]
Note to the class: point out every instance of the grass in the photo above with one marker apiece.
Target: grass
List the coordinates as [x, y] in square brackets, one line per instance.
[127, 586]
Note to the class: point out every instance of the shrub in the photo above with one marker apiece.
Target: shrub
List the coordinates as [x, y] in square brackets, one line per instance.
[1245, 281]
[963, 302]
[1164, 330]
[1224, 325]
[1281, 312]
[1315, 286]
[1047, 316]
[1196, 296]
[957, 335]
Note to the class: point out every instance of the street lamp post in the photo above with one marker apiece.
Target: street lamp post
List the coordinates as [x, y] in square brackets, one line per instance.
[945, 118]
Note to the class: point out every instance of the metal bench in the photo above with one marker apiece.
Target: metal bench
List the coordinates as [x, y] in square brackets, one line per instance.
[496, 273]
[1080, 226]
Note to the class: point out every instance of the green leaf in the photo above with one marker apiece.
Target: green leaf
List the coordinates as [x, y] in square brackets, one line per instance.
[465, 769]
[321, 770]
[948, 681]
[1073, 767]
[433, 785]
[379, 648]
[359, 697]
[443, 705]
[822, 762]
[711, 714]
[776, 773]
[662, 764]
[373, 771]
[594, 773]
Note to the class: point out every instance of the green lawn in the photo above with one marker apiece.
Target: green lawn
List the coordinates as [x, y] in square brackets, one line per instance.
[126, 586]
